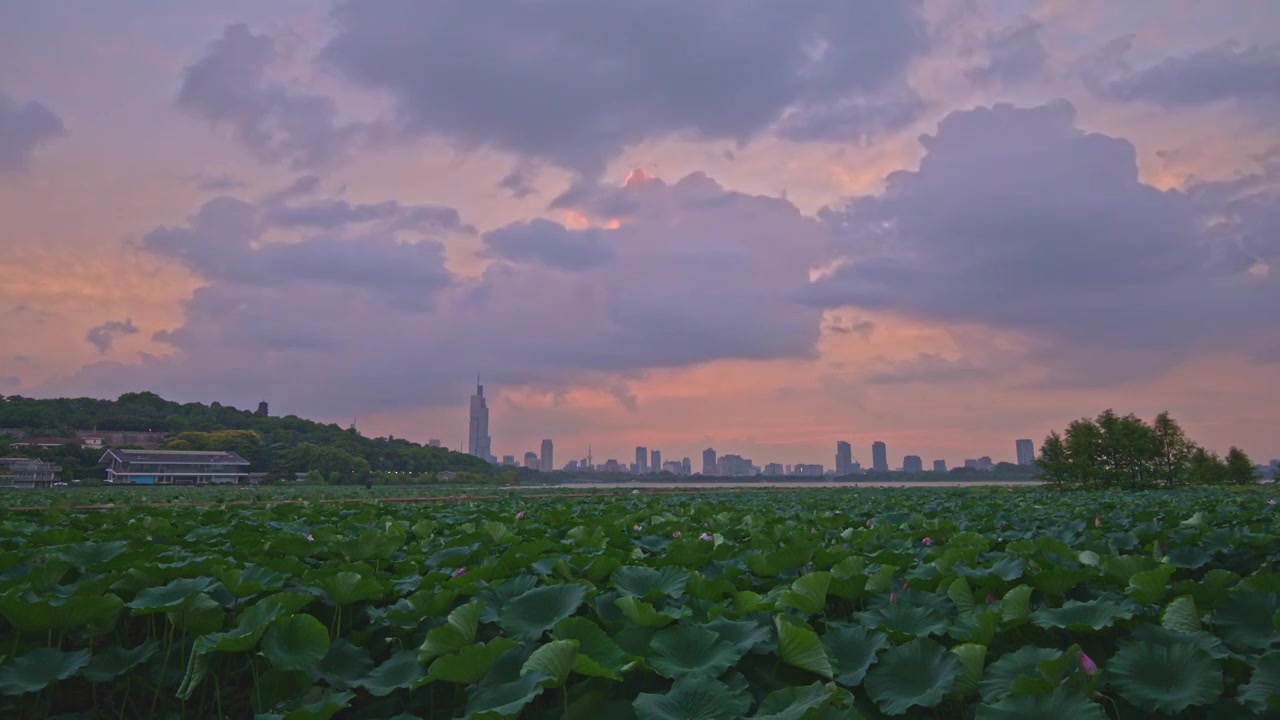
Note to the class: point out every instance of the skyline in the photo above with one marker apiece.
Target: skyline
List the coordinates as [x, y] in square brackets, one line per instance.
[944, 224]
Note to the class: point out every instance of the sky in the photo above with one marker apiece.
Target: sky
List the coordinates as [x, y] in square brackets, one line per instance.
[755, 226]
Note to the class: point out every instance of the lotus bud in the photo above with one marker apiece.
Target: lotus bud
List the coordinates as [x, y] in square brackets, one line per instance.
[1087, 665]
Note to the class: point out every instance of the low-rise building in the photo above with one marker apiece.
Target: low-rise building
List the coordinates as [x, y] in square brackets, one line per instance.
[26, 473]
[47, 442]
[174, 467]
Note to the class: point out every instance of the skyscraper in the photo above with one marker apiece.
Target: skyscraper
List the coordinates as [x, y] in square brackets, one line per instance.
[548, 464]
[686, 466]
[939, 466]
[709, 461]
[655, 461]
[912, 464]
[642, 459]
[478, 433]
[879, 457]
[1026, 452]
[844, 458]
[531, 460]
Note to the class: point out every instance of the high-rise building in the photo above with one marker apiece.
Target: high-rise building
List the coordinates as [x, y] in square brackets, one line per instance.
[675, 467]
[912, 464]
[531, 460]
[879, 457]
[642, 459]
[508, 459]
[709, 463]
[548, 464]
[806, 470]
[478, 433]
[984, 463]
[939, 466]
[734, 466]
[774, 470]
[844, 458]
[1026, 452]
[655, 461]
[686, 466]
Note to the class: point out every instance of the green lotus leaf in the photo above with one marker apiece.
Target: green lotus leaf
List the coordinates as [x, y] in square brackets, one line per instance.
[650, 584]
[962, 595]
[1165, 679]
[1161, 635]
[918, 674]
[852, 650]
[295, 643]
[743, 634]
[800, 647]
[1082, 616]
[979, 628]
[325, 708]
[793, 703]
[1024, 662]
[555, 660]
[689, 650]
[110, 663]
[1189, 557]
[199, 614]
[808, 594]
[89, 555]
[471, 663]
[1246, 620]
[347, 588]
[530, 615]
[507, 699]
[251, 580]
[458, 632]
[642, 613]
[973, 657]
[1262, 692]
[1181, 615]
[1061, 704]
[253, 623]
[693, 699]
[38, 669]
[400, 671]
[1149, 586]
[905, 621]
[344, 663]
[169, 597]
[1017, 605]
[598, 654]
[29, 613]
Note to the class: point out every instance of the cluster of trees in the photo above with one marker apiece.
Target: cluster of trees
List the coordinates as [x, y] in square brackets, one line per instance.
[1125, 452]
[278, 446]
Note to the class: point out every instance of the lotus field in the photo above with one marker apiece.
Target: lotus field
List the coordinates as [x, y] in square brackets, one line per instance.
[803, 605]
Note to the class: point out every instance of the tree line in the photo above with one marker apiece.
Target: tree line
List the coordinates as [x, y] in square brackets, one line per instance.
[1115, 452]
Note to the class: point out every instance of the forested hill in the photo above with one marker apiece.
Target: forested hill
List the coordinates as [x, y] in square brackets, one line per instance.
[278, 445]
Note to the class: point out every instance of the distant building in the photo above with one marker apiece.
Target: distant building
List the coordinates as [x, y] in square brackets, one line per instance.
[879, 457]
[686, 466]
[655, 461]
[642, 460]
[548, 463]
[433, 442]
[47, 442]
[807, 470]
[123, 438]
[508, 459]
[774, 470]
[734, 466]
[912, 464]
[174, 467]
[25, 473]
[709, 464]
[844, 458]
[971, 463]
[939, 466]
[531, 461]
[1026, 452]
[984, 463]
[571, 466]
[611, 466]
[478, 430]
[675, 467]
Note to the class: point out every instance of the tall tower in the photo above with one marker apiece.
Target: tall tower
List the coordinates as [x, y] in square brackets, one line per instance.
[642, 459]
[879, 457]
[709, 461]
[547, 463]
[655, 461]
[478, 431]
[1026, 452]
[844, 458]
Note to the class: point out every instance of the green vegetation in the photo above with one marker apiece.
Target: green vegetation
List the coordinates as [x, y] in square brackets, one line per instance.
[278, 446]
[810, 605]
[1114, 452]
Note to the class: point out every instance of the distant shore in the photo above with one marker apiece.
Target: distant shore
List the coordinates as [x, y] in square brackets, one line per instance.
[784, 484]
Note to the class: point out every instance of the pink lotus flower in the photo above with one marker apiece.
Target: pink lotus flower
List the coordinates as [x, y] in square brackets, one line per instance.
[990, 598]
[706, 537]
[460, 572]
[1271, 501]
[1087, 665]
[520, 515]
[868, 523]
[309, 537]
[905, 583]
[675, 534]
[1097, 521]
[893, 597]
[636, 528]
[926, 542]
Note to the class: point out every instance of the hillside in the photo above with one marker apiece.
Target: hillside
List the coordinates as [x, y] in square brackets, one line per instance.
[279, 446]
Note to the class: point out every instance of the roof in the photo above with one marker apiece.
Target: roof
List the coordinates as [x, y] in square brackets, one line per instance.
[49, 441]
[176, 457]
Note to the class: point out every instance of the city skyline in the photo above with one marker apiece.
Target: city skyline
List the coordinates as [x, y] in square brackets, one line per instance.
[940, 224]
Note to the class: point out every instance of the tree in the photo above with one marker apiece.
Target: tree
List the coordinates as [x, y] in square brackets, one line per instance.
[1054, 463]
[1205, 468]
[1239, 469]
[1172, 451]
[1084, 450]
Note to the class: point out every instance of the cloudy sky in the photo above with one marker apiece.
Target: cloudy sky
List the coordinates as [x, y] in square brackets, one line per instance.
[759, 226]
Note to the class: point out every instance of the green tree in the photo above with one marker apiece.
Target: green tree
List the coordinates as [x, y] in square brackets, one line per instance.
[1084, 442]
[1205, 468]
[1054, 463]
[1239, 469]
[1172, 451]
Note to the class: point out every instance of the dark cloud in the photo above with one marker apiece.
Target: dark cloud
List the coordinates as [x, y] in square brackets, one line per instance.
[10, 381]
[1250, 75]
[929, 368]
[230, 86]
[695, 273]
[104, 336]
[550, 244]
[519, 182]
[1019, 221]
[853, 119]
[1014, 55]
[576, 82]
[213, 183]
[389, 216]
[862, 328]
[24, 127]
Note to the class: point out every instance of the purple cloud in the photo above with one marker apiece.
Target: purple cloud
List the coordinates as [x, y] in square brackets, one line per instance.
[550, 244]
[104, 336]
[1014, 54]
[576, 82]
[1250, 75]
[24, 128]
